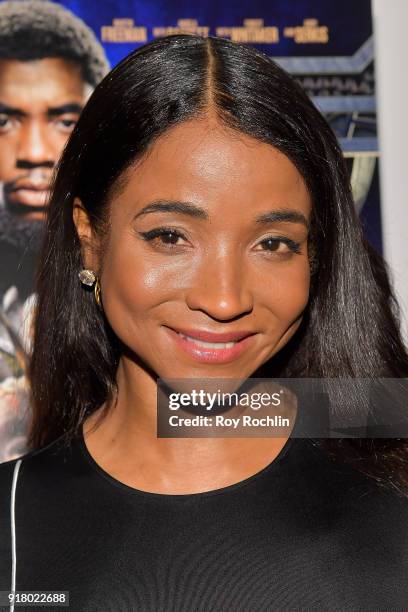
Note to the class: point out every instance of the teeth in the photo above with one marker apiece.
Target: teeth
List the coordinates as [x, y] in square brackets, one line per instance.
[216, 345]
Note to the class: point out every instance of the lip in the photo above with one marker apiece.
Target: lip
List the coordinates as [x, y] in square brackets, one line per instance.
[207, 354]
[37, 184]
[30, 196]
[207, 336]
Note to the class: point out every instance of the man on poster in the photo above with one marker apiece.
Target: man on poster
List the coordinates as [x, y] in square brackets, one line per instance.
[50, 61]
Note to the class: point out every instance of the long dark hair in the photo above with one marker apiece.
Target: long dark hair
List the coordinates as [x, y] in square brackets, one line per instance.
[351, 323]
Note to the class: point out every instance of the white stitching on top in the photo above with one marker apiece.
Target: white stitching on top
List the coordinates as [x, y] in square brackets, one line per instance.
[13, 530]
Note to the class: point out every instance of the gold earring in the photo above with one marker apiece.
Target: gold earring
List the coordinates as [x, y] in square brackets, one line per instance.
[97, 292]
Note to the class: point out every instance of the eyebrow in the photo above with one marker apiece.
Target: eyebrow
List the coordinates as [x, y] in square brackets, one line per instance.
[192, 210]
[54, 111]
[65, 108]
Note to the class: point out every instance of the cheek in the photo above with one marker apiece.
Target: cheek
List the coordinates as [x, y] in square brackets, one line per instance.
[132, 285]
[7, 157]
[57, 141]
[285, 292]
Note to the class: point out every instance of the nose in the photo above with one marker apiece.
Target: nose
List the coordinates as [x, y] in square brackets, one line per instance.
[220, 288]
[34, 147]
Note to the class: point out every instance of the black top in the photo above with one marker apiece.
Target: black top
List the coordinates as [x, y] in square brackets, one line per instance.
[304, 533]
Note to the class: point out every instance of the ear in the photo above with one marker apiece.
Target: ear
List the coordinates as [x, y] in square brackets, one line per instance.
[86, 235]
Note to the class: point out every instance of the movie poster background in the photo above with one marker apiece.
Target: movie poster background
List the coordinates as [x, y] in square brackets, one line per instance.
[327, 46]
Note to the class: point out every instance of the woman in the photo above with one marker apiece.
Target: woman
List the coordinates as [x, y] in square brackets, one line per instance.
[201, 194]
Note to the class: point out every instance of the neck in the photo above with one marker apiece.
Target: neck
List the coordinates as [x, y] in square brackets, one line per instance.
[122, 438]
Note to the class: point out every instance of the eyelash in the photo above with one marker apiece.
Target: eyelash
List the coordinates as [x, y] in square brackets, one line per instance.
[163, 231]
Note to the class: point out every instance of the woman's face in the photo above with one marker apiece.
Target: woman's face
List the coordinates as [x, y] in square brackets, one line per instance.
[195, 246]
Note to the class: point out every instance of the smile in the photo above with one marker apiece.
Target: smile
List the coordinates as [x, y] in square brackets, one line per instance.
[205, 351]
[214, 345]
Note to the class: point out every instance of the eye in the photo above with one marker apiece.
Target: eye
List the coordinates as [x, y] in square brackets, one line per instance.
[166, 235]
[170, 238]
[6, 123]
[272, 243]
[66, 123]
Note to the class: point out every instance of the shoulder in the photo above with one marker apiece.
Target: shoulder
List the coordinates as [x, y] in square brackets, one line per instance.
[333, 470]
[9, 469]
[36, 467]
[354, 497]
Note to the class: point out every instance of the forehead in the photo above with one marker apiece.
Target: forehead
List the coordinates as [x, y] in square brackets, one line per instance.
[204, 161]
[45, 81]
